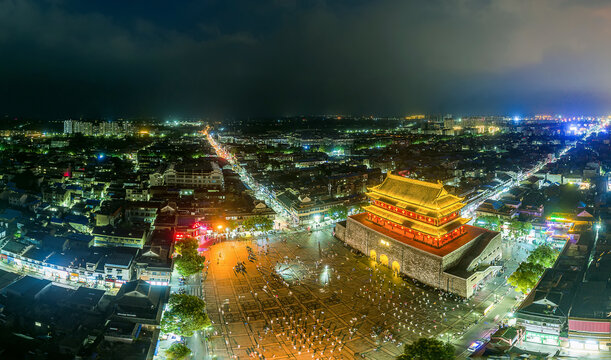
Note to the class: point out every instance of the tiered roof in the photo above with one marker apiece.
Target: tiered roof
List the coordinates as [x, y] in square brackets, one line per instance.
[428, 199]
[415, 224]
[418, 205]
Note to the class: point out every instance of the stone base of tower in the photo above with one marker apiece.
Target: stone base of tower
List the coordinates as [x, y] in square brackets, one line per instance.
[458, 267]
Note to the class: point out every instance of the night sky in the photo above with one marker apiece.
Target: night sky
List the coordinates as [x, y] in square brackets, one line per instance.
[90, 58]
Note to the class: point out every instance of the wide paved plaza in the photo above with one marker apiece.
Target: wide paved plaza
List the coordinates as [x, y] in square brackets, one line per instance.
[306, 295]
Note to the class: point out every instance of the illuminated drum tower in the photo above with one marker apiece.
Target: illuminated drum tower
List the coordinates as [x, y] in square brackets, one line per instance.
[415, 227]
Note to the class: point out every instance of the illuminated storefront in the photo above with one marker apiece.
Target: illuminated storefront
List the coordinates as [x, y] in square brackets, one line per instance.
[541, 338]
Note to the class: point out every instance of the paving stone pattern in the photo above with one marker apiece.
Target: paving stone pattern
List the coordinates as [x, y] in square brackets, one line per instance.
[309, 296]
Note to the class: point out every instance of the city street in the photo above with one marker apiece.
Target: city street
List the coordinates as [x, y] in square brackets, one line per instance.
[197, 344]
[262, 194]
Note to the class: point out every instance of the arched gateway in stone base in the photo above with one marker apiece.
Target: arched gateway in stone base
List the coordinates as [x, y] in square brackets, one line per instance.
[417, 227]
[384, 260]
[396, 267]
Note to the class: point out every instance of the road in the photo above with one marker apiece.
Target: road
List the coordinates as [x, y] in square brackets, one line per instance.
[261, 194]
[496, 290]
[197, 343]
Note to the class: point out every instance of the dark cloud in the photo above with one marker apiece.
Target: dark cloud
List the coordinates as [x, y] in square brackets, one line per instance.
[281, 57]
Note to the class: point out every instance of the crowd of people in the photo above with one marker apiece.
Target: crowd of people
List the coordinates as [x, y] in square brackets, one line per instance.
[383, 307]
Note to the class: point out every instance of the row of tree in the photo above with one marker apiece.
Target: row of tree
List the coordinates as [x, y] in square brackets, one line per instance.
[258, 223]
[185, 315]
[528, 272]
[494, 223]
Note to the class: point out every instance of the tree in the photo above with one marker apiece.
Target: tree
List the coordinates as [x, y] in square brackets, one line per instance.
[26, 181]
[543, 255]
[232, 225]
[186, 245]
[185, 315]
[520, 226]
[259, 223]
[427, 349]
[189, 264]
[491, 222]
[515, 225]
[526, 276]
[178, 351]
[337, 212]
[188, 261]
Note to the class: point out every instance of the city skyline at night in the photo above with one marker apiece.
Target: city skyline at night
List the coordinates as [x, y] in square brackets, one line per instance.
[292, 180]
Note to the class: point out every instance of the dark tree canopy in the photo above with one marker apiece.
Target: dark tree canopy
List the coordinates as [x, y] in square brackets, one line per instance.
[427, 349]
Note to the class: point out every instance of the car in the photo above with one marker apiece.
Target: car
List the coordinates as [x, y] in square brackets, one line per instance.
[475, 345]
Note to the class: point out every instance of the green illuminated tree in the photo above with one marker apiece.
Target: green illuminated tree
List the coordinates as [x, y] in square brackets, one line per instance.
[189, 264]
[526, 276]
[178, 351]
[257, 222]
[188, 261]
[520, 226]
[515, 225]
[185, 315]
[489, 222]
[543, 255]
[337, 212]
[186, 245]
[232, 225]
[427, 349]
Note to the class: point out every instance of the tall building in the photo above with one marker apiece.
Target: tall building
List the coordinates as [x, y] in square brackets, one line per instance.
[83, 127]
[68, 125]
[415, 228]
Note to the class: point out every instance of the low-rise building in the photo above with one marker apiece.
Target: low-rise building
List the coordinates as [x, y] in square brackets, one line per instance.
[305, 210]
[196, 174]
[112, 236]
[141, 211]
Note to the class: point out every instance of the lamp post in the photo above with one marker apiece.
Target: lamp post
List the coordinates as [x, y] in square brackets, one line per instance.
[220, 229]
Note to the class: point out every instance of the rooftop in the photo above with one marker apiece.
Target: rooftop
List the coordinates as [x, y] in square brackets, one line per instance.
[27, 286]
[417, 192]
[85, 296]
[419, 196]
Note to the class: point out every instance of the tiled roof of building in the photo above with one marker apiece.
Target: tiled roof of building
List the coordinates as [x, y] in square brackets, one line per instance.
[409, 192]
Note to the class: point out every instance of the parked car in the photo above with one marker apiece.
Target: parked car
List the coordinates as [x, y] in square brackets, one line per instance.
[475, 345]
